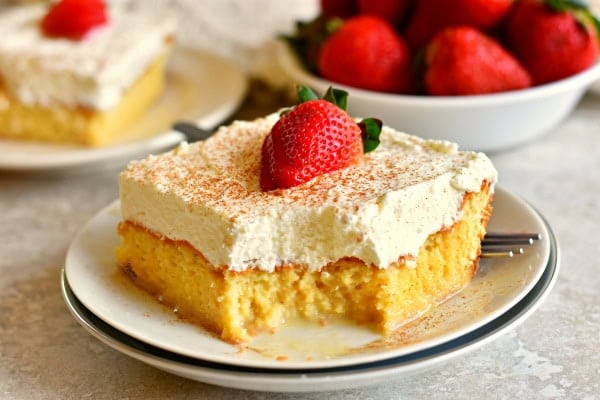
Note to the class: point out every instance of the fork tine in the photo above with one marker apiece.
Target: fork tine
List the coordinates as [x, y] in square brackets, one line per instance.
[506, 241]
[502, 248]
[509, 239]
[510, 236]
[506, 244]
[499, 252]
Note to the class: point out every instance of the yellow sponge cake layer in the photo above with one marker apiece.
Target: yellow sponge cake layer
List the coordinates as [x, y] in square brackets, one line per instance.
[235, 305]
[79, 125]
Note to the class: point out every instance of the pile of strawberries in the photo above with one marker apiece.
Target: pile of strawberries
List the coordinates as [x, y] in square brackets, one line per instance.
[442, 47]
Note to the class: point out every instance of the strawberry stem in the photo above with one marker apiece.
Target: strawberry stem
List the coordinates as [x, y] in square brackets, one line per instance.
[305, 94]
[370, 129]
[337, 96]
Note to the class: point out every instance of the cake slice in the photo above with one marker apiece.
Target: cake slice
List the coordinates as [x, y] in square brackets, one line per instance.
[379, 242]
[84, 91]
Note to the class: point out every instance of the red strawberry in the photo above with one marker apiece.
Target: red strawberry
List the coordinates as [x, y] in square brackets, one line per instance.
[431, 16]
[366, 52]
[73, 19]
[463, 61]
[552, 44]
[393, 11]
[338, 8]
[314, 138]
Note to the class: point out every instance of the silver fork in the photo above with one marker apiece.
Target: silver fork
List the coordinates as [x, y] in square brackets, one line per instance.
[506, 244]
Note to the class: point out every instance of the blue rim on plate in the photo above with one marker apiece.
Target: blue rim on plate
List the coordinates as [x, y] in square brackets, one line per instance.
[500, 284]
[469, 341]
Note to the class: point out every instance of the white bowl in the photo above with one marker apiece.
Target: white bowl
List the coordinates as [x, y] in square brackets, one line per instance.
[489, 123]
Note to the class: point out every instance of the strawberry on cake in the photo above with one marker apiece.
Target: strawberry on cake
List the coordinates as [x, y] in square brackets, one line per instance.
[78, 71]
[309, 214]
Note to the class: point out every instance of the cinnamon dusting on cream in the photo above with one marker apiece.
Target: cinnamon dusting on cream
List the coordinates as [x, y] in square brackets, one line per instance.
[405, 190]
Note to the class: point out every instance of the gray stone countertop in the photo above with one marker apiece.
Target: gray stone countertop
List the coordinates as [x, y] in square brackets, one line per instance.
[554, 354]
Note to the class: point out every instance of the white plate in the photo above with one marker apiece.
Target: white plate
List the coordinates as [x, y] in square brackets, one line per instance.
[200, 86]
[285, 380]
[500, 283]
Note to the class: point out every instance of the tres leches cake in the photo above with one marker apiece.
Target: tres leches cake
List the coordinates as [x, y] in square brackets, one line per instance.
[64, 82]
[377, 242]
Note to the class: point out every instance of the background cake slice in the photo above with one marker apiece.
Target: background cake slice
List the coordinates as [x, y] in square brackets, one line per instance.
[379, 242]
[84, 91]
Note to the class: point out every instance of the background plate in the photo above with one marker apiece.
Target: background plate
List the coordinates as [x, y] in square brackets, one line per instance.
[200, 87]
[500, 283]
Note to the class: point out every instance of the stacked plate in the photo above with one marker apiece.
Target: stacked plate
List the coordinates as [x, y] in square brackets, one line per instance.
[303, 357]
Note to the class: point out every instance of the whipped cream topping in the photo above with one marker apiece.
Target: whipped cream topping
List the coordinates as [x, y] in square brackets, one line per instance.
[208, 195]
[93, 72]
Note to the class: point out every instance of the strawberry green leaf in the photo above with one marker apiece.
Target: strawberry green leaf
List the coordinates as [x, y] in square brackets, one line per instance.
[371, 129]
[565, 5]
[596, 25]
[305, 94]
[333, 24]
[306, 40]
[337, 96]
[341, 97]
[578, 3]
[579, 8]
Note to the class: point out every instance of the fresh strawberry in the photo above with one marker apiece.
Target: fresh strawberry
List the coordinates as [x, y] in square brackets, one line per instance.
[73, 19]
[315, 137]
[366, 52]
[553, 39]
[338, 8]
[463, 61]
[393, 11]
[431, 16]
